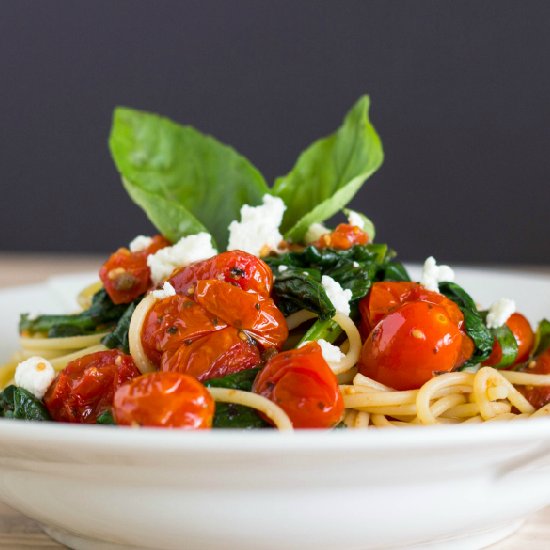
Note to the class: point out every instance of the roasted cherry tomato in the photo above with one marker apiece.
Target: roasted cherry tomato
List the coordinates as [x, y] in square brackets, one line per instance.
[302, 384]
[538, 396]
[411, 344]
[125, 274]
[343, 237]
[85, 387]
[525, 338]
[236, 267]
[249, 311]
[173, 321]
[215, 355]
[166, 399]
[385, 297]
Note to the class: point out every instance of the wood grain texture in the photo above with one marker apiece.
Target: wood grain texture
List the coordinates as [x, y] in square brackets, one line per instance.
[19, 532]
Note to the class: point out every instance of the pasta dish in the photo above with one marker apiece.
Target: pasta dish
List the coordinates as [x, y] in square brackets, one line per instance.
[249, 310]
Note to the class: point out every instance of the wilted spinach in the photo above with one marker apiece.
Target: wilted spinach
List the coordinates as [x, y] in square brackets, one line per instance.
[20, 404]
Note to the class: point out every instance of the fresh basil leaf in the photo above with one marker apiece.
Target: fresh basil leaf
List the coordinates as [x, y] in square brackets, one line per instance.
[20, 404]
[508, 345]
[238, 417]
[118, 338]
[171, 218]
[183, 179]
[329, 172]
[367, 225]
[242, 380]
[106, 417]
[473, 322]
[542, 338]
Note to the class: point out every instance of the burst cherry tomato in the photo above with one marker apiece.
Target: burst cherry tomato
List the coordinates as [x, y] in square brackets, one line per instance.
[343, 237]
[215, 355]
[166, 399]
[125, 274]
[85, 387]
[236, 267]
[385, 297]
[408, 346]
[538, 396]
[302, 384]
[248, 311]
[525, 338]
[173, 321]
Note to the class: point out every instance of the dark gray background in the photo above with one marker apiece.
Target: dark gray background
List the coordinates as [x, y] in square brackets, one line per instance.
[460, 96]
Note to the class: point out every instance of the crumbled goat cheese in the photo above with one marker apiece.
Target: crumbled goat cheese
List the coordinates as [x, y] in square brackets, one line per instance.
[283, 268]
[140, 243]
[315, 231]
[258, 229]
[35, 375]
[355, 264]
[355, 219]
[166, 291]
[432, 274]
[186, 251]
[331, 353]
[499, 312]
[337, 295]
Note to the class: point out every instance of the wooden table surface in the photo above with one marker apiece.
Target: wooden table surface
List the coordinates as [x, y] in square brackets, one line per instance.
[19, 532]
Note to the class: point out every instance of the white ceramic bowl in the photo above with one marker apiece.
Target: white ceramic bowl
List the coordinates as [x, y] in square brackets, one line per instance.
[451, 486]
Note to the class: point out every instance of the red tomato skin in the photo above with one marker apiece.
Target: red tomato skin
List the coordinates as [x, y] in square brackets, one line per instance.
[125, 274]
[164, 399]
[303, 385]
[236, 267]
[173, 321]
[408, 346]
[215, 355]
[343, 237]
[525, 338]
[385, 297]
[248, 311]
[538, 396]
[85, 387]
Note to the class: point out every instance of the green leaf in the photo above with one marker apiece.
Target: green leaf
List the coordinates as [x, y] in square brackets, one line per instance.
[106, 417]
[473, 321]
[20, 404]
[325, 329]
[183, 179]
[329, 172]
[118, 338]
[299, 288]
[171, 218]
[102, 312]
[508, 345]
[237, 417]
[367, 225]
[542, 338]
[242, 380]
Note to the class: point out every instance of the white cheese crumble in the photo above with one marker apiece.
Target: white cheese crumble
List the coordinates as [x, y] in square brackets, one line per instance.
[140, 243]
[355, 219]
[337, 295]
[35, 375]
[499, 312]
[166, 291]
[432, 274]
[283, 268]
[259, 227]
[186, 251]
[331, 353]
[315, 231]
